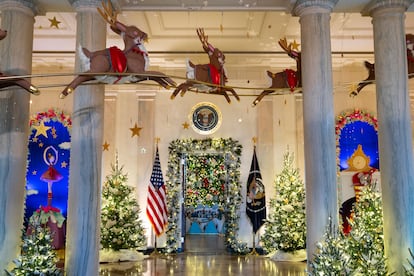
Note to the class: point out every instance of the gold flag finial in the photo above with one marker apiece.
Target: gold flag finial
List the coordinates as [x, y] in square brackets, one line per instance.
[254, 140]
[157, 139]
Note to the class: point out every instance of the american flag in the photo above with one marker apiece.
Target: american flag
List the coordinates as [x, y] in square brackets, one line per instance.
[156, 201]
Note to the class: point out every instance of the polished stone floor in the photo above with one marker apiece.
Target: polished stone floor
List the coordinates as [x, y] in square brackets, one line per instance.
[202, 264]
[203, 256]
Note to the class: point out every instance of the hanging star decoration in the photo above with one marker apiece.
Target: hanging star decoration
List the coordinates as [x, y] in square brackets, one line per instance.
[295, 45]
[353, 87]
[54, 22]
[41, 129]
[105, 146]
[185, 125]
[135, 130]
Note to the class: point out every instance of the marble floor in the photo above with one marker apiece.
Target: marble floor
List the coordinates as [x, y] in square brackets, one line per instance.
[202, 264]
[203, 256]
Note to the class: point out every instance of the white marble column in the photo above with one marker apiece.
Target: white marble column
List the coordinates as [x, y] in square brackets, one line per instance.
[318, 119]
[16, 58]
[394, 129]
[83, 227]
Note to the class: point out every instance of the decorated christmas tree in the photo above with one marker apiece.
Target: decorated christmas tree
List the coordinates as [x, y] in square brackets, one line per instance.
[361, 252]
[286, 225]
[121, 227]
[332, 258]
[365, 243]
[37, 255]
[409, 268]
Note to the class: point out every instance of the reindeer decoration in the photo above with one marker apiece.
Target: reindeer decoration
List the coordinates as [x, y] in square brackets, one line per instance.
[409, 40]
[286, 79]
[209, 78]
[133, 59]
[6, 81]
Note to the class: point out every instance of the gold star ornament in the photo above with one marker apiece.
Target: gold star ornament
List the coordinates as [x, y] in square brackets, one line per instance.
[105, 146]
[54, 22]
[185, 125]
[135, 130]
[41, 129]
[295, 45]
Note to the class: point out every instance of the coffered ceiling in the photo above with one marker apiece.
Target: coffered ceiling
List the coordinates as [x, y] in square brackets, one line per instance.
[234, 26]
[247, 31]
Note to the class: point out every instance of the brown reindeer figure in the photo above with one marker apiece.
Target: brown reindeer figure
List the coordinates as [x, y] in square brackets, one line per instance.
[6, 80]
[409, 40]
[133, 59]
[210, 78]
[286, 79]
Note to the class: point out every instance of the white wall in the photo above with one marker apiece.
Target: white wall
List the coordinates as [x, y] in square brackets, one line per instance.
[276, 122]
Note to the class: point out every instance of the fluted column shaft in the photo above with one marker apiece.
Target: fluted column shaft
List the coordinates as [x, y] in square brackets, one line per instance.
[319, 119]
[394, 130]
[83, 228]
[16, 58]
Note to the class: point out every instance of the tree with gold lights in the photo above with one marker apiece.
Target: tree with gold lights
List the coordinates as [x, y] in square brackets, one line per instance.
[121, 227]
[286, 223]
[37, 255]
[361, 252]
[365, 242]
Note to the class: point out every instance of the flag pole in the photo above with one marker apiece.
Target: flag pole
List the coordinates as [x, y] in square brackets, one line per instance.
[155, 252]
[254, 252]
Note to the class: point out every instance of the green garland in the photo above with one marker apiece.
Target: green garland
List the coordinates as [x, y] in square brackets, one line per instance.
[206, 176]
[189, 147]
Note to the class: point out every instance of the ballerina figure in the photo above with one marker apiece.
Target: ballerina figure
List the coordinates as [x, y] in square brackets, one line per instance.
[51, 175]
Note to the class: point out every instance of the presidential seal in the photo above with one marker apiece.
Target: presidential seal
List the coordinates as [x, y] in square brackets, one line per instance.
[205, 118]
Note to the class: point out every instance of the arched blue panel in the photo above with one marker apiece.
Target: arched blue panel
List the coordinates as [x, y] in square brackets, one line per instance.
[353, 134]
[53, 142]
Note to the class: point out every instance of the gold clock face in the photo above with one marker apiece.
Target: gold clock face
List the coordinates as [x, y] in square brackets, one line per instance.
[359, 162]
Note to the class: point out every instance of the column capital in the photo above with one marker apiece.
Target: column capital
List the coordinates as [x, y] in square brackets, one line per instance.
[381, 5]
[90, 4]
[22, 5]
[313, 6]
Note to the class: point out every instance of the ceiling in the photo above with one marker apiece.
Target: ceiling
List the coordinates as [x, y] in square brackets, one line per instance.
[247, 31]
[232, 25]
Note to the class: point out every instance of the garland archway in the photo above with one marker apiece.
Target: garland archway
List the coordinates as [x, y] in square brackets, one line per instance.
[173, 184]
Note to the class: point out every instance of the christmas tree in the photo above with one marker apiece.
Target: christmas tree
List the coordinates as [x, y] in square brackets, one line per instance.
[286, 225]
[121, 227]
[361, 252]
[409, 269]
[37, 255]
[332, 258]
[365, 242]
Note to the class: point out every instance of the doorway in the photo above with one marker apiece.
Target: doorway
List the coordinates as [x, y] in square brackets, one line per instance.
[205, 186]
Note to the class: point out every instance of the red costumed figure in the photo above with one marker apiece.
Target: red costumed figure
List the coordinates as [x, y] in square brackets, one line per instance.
[51, 175]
